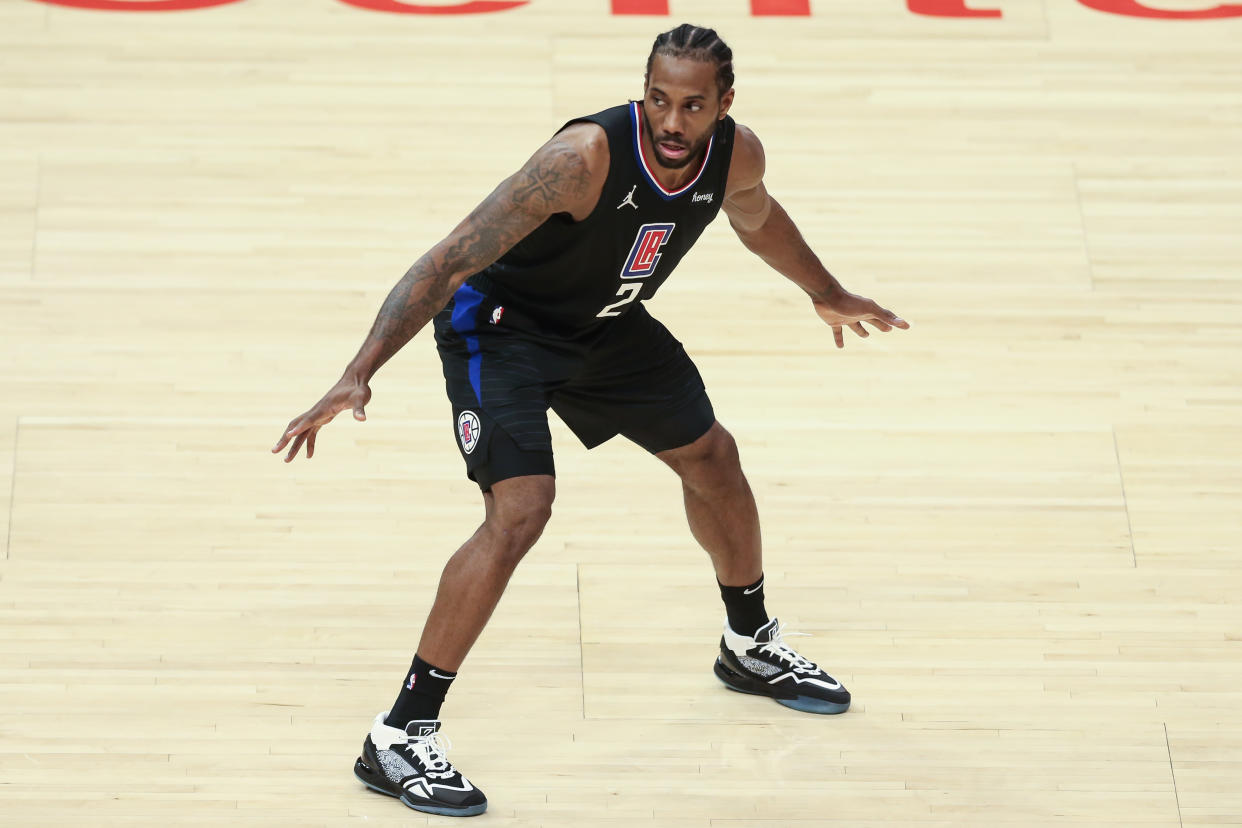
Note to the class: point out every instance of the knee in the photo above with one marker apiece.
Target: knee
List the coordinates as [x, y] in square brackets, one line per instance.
[722, 449]
[710, 461]
[515, 528]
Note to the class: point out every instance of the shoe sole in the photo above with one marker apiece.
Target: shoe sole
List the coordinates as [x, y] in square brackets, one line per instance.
[362, 770]
[807, 704]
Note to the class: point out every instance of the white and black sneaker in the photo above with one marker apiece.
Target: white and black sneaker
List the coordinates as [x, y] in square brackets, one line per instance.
[766, 666]
[412, 765]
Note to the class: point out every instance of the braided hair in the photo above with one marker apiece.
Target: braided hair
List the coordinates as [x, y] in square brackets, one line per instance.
[696, 43]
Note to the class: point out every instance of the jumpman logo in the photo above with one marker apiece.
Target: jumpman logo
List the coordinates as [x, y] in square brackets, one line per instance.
[629, 199]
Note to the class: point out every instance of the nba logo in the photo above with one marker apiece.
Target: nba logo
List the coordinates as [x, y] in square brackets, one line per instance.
[645, 254]
[410, 686]
[468, 430]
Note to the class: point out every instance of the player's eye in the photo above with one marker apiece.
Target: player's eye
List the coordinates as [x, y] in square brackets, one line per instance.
[695, 107]
[657, 102]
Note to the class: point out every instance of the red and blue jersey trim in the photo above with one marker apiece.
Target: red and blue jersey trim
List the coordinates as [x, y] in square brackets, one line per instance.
[667, 195]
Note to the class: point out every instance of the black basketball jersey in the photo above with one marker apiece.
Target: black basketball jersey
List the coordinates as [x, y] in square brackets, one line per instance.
[567, 278]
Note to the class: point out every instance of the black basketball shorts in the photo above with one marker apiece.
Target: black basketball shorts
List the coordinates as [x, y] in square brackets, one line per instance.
[631, 377]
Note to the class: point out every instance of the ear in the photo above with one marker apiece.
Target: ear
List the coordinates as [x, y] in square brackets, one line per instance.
[726, 101]
[646, 82]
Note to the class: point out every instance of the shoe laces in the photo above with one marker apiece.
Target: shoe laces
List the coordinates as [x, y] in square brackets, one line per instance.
[431, 750]
[784, 652]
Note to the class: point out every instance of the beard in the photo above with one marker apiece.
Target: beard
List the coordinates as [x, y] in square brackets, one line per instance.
[696, 148]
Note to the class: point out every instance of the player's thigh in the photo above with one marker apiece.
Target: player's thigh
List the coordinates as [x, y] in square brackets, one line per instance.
[638, 382]
[498, 395]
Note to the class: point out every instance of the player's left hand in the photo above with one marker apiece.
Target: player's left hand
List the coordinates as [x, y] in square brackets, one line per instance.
[847, 310]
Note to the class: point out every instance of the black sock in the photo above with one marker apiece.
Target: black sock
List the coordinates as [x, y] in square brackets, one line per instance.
[744, 606]
[421, 695]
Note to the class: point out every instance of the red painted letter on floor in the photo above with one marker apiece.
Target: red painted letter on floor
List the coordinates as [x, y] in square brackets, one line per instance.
[640, 7]
[130, 5]
[780, 8]
[475, 7]
[1133, 8]
[948, 8]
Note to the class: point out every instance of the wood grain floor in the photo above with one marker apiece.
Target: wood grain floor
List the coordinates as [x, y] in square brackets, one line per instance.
[1014, 531]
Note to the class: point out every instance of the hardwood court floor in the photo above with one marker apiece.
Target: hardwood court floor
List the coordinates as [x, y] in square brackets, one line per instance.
[1014, 531]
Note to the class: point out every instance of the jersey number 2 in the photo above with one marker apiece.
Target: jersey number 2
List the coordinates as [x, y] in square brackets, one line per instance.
[629, 292]
[641, 263]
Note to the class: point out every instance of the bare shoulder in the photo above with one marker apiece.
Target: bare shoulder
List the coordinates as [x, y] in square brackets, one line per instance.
[567, 174]
[747, 165]
[589, 140]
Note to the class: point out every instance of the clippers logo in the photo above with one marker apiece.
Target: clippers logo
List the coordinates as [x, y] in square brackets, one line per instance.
[468, 430]
[645, 254]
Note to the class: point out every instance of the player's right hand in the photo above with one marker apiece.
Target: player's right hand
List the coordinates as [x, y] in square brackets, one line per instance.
[348, 393]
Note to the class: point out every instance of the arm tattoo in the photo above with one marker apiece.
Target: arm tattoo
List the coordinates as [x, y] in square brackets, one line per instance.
[554, 176]
[554, 180]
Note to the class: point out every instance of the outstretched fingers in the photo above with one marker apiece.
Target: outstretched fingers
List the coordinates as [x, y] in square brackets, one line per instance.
[297, 430]
[297, 444]
[893, 319]
[885, 320]
[867, 312]
[879, 324]
[288, 434]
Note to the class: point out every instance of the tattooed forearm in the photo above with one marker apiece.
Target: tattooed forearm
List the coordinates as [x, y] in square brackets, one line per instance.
[417, 297]
[554, 180]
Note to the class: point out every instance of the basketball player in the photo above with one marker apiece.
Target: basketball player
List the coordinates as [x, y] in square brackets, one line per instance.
[536, 301]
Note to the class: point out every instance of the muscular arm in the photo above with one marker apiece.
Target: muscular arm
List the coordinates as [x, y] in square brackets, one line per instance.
[561, 177]
[767, 231]
[564, 176]
[765, 228]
